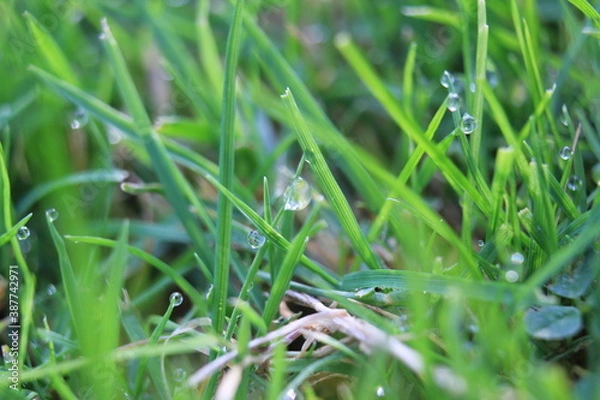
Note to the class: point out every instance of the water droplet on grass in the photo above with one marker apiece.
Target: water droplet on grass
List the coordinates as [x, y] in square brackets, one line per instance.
[23, 233]
[179, 375]
[176, 299]
[453, 101]
[380, 391]
[511, 276]
[574, 183]
[492, 77]
[517, 258]
[565, 153]
[52, 214]
[51, 290]
[447, 79]
[256, 239]
[563, 118]
[79, 119]
[480, 243]
[297, 196]
[468, 124]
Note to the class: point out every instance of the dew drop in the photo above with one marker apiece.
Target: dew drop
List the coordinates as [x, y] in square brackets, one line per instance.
[596, 174]
[574, 183]
[179, 375]
[297, 196]
[563, 117]
[467, 124]
[447, 79]
[256, 239]
[453, 101]
[511, 276]
[480, 243]
[290, 395]
[565, 153]
[492, 77]
[472, 87]
[209, 293]
[51, 290]
[176, 299]
[517, 258]
[79, 119]
[102, 36]
[380, 391]
[23, 233]
[52, 214]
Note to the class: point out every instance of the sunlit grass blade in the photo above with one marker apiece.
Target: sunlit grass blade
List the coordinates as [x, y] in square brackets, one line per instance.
[585, 7]
[330, 188]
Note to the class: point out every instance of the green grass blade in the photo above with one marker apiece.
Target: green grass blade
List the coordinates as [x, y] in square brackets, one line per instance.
[96, 176]
[271, 234]
[585, 7]
[226, 166]
[458, 180]
[196, 298]
[431, 283]
[330, 188]
[169, 175]
[9, 234]
[55, 59]
[70, 282]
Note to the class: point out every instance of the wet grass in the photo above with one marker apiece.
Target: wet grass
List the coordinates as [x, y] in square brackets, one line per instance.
[300, 200]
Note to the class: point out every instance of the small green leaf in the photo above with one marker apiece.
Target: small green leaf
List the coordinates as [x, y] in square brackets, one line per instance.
[574, 283]
[553, 322]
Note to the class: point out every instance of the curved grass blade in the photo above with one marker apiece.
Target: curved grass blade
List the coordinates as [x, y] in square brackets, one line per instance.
[97, 176]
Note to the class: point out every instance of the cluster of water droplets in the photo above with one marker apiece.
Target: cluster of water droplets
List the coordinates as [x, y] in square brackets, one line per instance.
[467, 123]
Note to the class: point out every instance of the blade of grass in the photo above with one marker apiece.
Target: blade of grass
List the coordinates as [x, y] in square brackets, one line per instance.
[271, 234]
[96, 176]
[9, 234]
[380, 91]
[330, 188]
[197, 299]
[288, 266]
[431, 283]
[168, 174]
[27, 289]
[226, 169]
[53, 55]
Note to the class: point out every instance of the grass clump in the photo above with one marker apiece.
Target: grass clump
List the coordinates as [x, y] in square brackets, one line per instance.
[257, 199]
